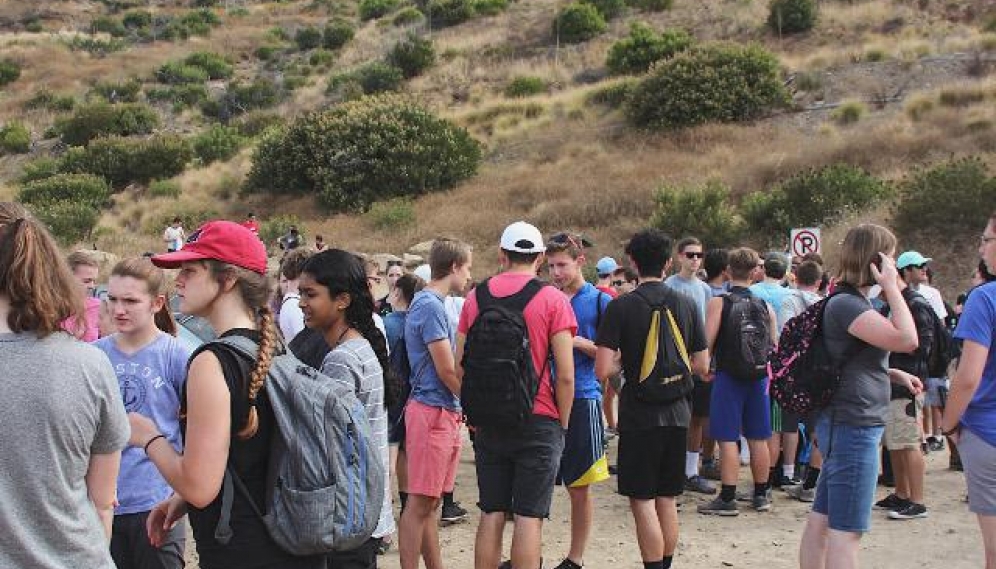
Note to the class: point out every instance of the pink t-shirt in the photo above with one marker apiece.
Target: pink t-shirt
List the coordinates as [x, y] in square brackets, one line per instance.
[546, 314]
[91, 316]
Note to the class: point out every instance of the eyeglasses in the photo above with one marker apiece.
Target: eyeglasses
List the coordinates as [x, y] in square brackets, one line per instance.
[691, 255]
[374, 279]
[618, 283]
[393, 263]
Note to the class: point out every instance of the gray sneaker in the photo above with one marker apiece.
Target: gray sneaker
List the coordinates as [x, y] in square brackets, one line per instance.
[801, 494]
[761, 503]
[720, 507]
[701, 485]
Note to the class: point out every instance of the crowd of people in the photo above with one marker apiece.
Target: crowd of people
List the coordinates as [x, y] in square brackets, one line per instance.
[121, 428]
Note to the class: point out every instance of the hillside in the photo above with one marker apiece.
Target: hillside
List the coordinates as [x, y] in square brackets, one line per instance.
[919, 69]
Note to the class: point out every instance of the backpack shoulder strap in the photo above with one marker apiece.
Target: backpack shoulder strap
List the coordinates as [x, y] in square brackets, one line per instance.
[521, 299]
[679, 340]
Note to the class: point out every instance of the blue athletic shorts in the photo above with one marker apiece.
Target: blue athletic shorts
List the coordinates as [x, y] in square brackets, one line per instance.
[739, 407]
[583, 462]
[846, 488]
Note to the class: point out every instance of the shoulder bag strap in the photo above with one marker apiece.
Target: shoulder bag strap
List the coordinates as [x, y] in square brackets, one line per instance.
[679, 340]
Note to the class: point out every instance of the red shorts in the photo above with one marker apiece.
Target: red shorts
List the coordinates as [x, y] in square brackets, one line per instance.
[432, 446]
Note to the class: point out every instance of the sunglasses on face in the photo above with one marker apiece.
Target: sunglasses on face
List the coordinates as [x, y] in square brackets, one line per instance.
[692, 255]
[618, 283]
[394, 263]
[921, 266]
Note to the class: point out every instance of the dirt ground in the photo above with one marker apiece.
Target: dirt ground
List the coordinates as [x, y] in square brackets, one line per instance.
[949, 538]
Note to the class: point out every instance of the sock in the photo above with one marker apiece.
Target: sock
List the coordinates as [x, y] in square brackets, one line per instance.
[812, 475]
[653, 565]
[788, 470]
[403, 496]
[772, 476]
[691, 464]
[728, 492]
[761, 489]
[447, 498]
[667, 562]
[708, 461]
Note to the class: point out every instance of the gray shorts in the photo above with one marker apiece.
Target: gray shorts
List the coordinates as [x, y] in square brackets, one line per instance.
[933, 396]
[979, 459]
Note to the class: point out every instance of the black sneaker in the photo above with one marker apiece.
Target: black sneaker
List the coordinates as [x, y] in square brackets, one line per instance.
[719, 507]
[783, 482]
[935, 444]
[910, 511]
[452, 513]
[567, 564]
[890, 503]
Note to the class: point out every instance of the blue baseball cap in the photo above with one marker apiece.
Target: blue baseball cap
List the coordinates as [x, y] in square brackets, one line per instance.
[605, 266]
[911, 259]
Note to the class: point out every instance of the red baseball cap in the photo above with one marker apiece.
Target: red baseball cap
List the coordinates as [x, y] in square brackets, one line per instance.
[223, 241]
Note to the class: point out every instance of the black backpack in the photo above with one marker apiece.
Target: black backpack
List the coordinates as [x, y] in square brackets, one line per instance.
[499, 380]
[665, 370]
[942, 350]
[744, 336]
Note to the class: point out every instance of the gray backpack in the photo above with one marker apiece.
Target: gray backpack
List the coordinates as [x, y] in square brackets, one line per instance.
[326, 481]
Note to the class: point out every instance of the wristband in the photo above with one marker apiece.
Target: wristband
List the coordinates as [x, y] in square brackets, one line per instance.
[152, 440]
[952, 431]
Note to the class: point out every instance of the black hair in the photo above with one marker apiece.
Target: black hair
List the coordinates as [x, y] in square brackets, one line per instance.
[517, 258]
[715, 262]
[343, 272]
[407, 285]
[650, 250]
[984, 272]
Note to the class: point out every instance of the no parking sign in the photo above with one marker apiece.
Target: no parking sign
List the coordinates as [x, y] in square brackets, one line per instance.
[804, 240]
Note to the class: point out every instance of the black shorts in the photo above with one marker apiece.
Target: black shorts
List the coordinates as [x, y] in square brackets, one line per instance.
[652, 462]
[516, 468]
[700, 398]
[790, 422]
[363, 557]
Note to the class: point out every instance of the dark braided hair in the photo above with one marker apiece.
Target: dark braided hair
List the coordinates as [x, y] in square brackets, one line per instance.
[343, 272]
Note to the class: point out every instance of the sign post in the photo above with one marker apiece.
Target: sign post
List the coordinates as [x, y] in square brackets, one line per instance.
[804, 240]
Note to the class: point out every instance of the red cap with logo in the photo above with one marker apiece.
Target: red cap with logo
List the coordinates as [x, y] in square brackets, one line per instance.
[223, 241]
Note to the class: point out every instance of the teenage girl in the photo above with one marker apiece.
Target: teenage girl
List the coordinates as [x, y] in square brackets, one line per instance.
[336, 301]
[150, 364]
[222, 279]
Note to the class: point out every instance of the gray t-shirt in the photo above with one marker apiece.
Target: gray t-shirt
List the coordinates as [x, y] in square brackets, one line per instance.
[62, 405]
[862, 399]
[697, 290]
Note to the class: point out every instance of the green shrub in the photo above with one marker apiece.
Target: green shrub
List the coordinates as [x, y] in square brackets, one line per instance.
[181, 96]
[445, 13]
[525, 86]
[407, 16]
[267, 52]
[255, 122]
[951, 197]
[177, 73]
[370, 9]
[376, 77]
[217, 143]
[719, 82]
[68, 222]
[205, 3]
[95, 45]
[273, 228]
[45, 99]
[215, 65]
[14, 138]
[791, 16]
[321, 58]
[397, 213]
[643, 47]
[136, 19]
[487, 7]
[77, 188]
[337, 34]
[705, 211]
[577, 23]
[613, 96]
[412, 55]
[10, 70]
[98, 119]
[359, 152]
[849, 113]
[34, 26]
[108, 25]
[651, 5]
[165, 189]
[240, 98]
[122, 161]
[308, 37]
[38, 170]
[117, 92]
[609, 9]
[197, 22]
[815, 197]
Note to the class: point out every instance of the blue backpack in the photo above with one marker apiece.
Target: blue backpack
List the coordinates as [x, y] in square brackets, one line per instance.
[326, 483]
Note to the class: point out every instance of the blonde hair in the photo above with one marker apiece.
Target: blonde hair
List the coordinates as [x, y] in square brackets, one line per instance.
[743, 261]
[445, 253]
[34, 276]
[81, 259]
[861, 247]
[142, 269]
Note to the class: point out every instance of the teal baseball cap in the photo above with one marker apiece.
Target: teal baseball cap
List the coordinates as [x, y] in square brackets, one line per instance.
[911, 259]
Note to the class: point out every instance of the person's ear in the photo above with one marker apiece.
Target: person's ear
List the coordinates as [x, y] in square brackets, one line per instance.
[158, 303]
[342, 301]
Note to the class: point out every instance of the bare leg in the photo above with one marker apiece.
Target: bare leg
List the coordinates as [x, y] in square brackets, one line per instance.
[842, 549]
[790, 448]
[774, 448]
[649, 535]
[759, 464]
[667, 515]
[417, 526]
[900, 474]
[527, 543]
[988, 526]
[487, 546]
[729, 462]
[608, 407]
[582, 510]
[916, 469]
[813, 546]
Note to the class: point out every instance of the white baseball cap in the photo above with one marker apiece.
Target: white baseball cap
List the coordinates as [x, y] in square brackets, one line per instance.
[423, 272]
[521, 237]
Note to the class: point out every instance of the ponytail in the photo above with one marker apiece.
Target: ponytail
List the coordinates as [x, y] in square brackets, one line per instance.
[264, 358]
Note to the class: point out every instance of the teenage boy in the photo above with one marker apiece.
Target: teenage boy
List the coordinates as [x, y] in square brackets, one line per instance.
[688, 257]
[290, 317]
[604, 269]
[516, 468]
[652, 437]
[583, 462]
[432, 415]
[738, 405]
[716, 264]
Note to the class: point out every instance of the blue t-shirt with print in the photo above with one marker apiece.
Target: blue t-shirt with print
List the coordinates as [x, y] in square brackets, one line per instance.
[772, 293]
[586, 304]
[151, 382]
[427, 323]
[977, 323]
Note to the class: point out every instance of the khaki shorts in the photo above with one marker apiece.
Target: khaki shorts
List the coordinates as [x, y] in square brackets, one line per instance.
[902, 425]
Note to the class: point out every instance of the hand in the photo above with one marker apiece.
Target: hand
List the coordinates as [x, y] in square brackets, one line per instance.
[907, 380]
[887, 276]
[142, 430]
[581, 343]
[163, 517]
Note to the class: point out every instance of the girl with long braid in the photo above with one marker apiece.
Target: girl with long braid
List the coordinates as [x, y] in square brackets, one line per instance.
[223, 279]
[336, 301]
